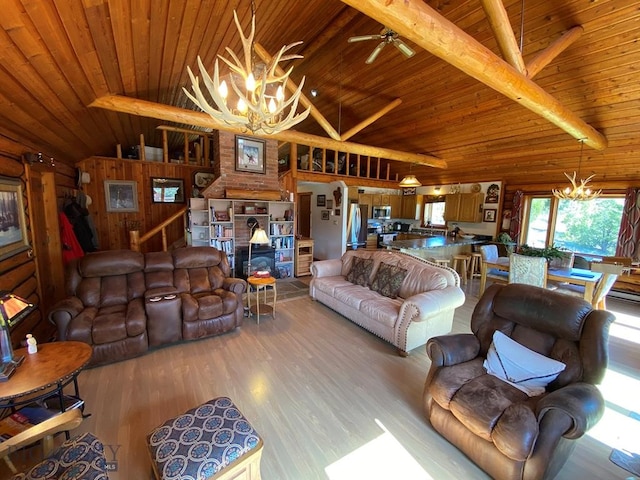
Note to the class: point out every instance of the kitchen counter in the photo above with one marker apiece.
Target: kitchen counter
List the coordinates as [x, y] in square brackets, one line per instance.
[437, 241]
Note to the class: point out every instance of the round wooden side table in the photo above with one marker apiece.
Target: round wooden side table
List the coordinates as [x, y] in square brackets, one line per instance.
[262, 284]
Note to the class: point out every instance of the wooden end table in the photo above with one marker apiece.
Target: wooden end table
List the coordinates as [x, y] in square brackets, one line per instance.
[261, 284]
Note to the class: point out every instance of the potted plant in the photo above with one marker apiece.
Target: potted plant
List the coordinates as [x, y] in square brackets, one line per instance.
[507, 241]
[550, 252]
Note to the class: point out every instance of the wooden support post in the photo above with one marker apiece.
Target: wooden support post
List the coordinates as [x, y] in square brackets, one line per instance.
[368, 121]
[186, 148]
[165, 146]
[142, 154]
[293, 159]
[545, 57]
[134, 240]
[501, 26]
[119, 151]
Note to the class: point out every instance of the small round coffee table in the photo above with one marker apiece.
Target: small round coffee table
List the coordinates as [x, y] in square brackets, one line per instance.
[45, 373]
[261, 284]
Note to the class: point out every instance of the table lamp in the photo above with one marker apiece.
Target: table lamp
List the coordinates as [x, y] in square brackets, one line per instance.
[259, 237]
[12, 310]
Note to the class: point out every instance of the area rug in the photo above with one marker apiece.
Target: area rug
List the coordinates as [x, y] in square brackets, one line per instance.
[626, 459]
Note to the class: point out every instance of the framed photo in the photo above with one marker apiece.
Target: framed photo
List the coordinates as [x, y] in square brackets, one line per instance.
[13, 228]
[337, 212]
[322, 201]
[167, 190]
[329, 204]
[121, 196]
[325, 214]
[490, 215]
[203, 179]
[250, 154]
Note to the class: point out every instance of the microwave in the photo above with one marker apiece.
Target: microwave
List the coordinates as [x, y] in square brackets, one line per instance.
[381, 212]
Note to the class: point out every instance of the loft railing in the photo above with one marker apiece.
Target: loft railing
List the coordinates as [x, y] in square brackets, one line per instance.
[135, 240]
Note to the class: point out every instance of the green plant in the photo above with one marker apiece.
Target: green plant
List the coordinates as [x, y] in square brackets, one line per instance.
[549, 253]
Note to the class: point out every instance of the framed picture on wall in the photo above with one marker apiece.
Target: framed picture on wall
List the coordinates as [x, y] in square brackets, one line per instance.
[321, 201]
[121, 196]
[13, 229]
[490, 215]
[250, 155]
[325, 214]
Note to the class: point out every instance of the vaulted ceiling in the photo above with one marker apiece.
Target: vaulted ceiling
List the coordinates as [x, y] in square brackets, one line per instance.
[60, 56]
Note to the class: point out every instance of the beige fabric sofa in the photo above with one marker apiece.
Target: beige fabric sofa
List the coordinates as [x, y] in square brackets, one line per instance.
[424, 307]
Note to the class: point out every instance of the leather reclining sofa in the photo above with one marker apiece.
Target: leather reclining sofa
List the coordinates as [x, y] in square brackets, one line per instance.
[123, 303]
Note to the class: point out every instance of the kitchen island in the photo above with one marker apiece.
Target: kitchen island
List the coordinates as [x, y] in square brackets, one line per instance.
[436, 246]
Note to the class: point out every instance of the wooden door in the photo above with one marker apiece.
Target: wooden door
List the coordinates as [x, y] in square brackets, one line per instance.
[303, 217]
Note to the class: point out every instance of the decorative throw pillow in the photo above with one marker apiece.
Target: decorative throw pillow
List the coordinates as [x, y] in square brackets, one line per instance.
[517, 365]
[388, 280]
[360, 271]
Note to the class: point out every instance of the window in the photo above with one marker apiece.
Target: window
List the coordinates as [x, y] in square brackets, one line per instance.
[590, 227]
[433, 213]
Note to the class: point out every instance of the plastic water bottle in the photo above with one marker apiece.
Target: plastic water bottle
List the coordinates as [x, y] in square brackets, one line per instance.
[32, 344]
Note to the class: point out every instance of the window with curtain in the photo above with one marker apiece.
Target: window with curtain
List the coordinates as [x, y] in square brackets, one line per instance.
[589, 228]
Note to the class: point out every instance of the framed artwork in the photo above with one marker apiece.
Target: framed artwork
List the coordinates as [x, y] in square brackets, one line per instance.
[325, 214]
[329, 204]
[322, 201]
[167, 190]
[490, 215]
[337, 212]
[13, 228]
[250, 155]
[203, 179]
[121, 195]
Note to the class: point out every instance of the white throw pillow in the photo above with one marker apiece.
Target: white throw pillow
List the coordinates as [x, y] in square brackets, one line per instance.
[517, 365]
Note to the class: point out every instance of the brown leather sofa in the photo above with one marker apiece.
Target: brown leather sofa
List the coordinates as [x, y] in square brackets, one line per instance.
[123, 302]
[507, 433]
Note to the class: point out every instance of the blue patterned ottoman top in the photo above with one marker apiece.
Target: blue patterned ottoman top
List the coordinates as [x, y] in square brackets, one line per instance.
[78, 458]
[202, 441]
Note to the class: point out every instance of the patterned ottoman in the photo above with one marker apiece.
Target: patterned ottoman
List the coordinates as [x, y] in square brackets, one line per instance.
[79, 458]
[212, 441]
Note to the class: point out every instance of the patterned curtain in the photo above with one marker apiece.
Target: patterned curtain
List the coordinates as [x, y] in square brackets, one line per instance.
[629, 236]
[516, 215]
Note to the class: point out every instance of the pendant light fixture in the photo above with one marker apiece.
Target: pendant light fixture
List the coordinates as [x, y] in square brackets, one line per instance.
[409, 180]
[580, 192]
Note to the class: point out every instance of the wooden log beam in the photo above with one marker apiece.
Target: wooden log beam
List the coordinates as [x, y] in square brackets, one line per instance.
[144, 108]
[416, 21]
[292, 87]
[368, 121]
[546, 56]
[501, 26]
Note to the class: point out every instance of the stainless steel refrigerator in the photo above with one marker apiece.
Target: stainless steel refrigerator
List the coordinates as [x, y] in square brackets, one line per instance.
[357, 226]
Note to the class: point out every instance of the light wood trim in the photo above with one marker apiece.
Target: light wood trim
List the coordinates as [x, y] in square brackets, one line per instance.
[418, 22]
[304, 101]
[368, 121]
[546, 56]
[144, 108]
[501, 26]
[136, 240]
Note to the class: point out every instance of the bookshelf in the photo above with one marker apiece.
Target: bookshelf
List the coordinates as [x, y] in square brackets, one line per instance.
[304, 256]
[227, 225]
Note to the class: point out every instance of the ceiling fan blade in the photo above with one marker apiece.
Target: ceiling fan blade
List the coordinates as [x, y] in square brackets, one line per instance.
[404, 48]
[376, 52]
[363, 38]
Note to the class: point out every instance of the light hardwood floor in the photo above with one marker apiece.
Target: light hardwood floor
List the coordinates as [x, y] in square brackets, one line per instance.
[311, 383]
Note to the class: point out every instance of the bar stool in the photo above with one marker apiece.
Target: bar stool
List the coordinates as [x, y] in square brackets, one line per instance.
[443, 262]
[463, 259]
[474, 266]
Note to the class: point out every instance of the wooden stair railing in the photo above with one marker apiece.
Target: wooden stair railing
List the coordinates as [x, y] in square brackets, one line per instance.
[135, 240]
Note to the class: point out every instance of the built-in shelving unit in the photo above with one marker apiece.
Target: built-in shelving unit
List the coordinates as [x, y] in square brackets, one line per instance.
[228, 225]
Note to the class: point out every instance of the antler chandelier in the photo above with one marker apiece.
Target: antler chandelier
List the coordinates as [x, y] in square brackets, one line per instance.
[261, 106]
[579, 192]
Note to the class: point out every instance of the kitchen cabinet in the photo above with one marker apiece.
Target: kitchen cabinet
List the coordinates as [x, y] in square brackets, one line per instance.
[376, 200]
[395, 201]
[384, 199]
[463, 207]
[372, 241]
[411, 207]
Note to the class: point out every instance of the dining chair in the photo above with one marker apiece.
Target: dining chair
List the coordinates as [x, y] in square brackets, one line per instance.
[528, 270]
[489, 254]
[610, 273]
[624, 261]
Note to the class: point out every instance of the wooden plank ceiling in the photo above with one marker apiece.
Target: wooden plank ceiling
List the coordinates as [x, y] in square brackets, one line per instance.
[59, 56]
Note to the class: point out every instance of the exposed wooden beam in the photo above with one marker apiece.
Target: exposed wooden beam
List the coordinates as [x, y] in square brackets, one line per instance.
[292, 87]
[546, 56]
[416, 21]
[501, 26]
[368, 121]
[133, 106]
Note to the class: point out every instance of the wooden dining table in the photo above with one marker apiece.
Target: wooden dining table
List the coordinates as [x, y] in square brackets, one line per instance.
[574, 276]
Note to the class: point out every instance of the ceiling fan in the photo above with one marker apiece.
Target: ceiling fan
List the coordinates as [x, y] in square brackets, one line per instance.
[387, 36]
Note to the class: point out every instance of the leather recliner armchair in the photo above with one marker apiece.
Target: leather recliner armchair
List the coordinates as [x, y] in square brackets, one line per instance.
[504, 431]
